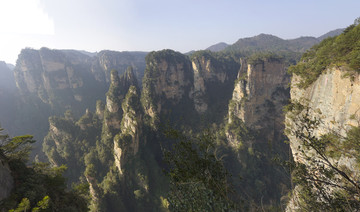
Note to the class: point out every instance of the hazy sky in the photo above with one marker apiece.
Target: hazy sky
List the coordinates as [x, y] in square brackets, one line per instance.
[145, 25]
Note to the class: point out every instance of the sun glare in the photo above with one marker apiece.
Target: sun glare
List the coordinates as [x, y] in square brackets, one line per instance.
[24, 17]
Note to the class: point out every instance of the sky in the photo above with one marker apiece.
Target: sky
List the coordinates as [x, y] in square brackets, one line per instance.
[147, 25]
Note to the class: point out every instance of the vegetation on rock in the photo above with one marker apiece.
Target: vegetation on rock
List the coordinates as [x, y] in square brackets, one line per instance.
[37, 187]
[342, 52]
[325, 171]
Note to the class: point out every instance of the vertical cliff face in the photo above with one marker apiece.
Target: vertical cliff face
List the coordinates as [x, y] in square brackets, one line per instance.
[254, 130]
[6, 180]
[182, 88]
[167, 82]
[60, 79]
[8, 96]
[29, 78]
[335, 100]
[127, 142]
[336, 96]
[115, 96]
[260, 93]
[213, 81]
[7, 80]
[114, 91]
[64, 78]
[109, 60]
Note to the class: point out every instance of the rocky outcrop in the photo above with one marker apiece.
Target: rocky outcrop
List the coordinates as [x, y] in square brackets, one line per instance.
[95, 193]
[45, 72]
[192, 86]
[119, 86]
[100, 108]
[68, 140]
[127, 142]
[6, 179]
[211, 75]
[167, 81]
[260, 93]
[109, 60]
[59, 139]
[254, 129]
[64, 78]
[334, 99]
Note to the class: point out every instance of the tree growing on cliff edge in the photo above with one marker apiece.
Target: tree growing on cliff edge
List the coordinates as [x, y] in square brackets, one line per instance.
[17, 148]
[323, 183]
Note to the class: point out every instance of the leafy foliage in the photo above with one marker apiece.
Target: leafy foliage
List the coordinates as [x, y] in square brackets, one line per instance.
[198, 178]
[17, 148]
[37, 187]
[69, 141]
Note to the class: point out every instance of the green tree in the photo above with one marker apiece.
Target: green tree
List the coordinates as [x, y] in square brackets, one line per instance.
[38, 187]
[17, 148]
[198, 178]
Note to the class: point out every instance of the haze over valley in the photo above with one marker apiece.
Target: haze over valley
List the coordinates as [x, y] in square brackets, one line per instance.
[191, 106]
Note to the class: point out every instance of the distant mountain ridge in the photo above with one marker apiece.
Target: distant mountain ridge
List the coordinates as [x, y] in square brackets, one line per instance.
[217, 47]
[268, 42]
[332, 33]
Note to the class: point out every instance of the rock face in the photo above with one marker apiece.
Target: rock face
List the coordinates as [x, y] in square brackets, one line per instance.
[259, 95]
[64, 78]
[68, 140]
[127, 142]
[6, 180]
[7, 81]
[8, 95]
[194, 86]
[255, 127]
[211, 77]
[109, 60]
[334, 99]
[121, 158]
[166, 83]
[115, 96]
[50, 82]
[336, 96]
